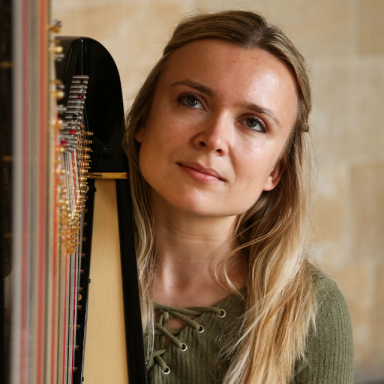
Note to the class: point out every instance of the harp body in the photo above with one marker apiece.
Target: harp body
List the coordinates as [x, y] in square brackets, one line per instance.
[105, 355]
[66, 225]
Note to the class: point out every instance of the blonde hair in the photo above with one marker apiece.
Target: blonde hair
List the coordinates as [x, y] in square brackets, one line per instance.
[272, 233]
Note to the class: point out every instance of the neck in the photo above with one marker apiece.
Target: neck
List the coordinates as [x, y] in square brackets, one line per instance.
[191, 249]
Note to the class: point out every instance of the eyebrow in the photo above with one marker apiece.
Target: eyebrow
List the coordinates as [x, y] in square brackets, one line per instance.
[210, 92]
[193, 84]
[266, 111]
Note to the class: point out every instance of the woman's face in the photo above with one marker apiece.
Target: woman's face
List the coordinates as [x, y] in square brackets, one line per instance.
[219, 122]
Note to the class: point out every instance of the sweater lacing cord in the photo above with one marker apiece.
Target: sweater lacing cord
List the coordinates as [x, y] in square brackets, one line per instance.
[161, 332]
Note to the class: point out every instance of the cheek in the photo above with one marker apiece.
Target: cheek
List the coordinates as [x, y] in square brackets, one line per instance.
[256, 163]
[249, 182]
[159, 146]
[252, 169]
[167, 130]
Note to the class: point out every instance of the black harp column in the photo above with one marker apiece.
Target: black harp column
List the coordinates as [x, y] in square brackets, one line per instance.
[104, 116]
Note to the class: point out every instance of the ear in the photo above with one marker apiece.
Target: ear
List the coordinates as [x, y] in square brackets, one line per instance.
[139, 135]
[274, 177]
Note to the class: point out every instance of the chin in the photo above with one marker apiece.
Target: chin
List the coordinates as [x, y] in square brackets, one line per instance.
[198, 204]
[193, 203]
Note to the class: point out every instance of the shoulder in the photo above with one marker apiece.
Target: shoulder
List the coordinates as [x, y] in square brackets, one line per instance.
[329, 299]
[329, 344]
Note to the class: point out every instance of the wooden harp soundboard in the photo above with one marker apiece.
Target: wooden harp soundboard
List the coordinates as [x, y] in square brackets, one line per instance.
[69, 287]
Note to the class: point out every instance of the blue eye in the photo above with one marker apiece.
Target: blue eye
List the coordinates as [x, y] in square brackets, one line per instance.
[255, 124]
[190, 101]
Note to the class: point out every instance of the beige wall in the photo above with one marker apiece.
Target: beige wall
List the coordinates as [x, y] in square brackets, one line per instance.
[343, 41]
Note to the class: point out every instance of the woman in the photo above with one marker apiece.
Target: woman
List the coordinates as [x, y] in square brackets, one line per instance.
[220, 157]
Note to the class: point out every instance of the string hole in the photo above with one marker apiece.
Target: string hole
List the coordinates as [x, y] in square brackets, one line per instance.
[221, 314]
[166, 371]
[183, 347]
[201, 329]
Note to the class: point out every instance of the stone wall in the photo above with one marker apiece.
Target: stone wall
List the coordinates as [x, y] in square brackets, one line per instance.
[343, 41]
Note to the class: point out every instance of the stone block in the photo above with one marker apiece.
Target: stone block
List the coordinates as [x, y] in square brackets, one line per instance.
[320, 28]
[330, 209]
[348, 114]
[330, 246]
[367, 209]
[330, 256]
[371, 27]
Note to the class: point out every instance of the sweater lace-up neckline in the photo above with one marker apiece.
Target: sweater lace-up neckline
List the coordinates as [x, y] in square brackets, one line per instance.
[162, 332]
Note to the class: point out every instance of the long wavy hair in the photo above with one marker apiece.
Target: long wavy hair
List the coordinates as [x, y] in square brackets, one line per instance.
[272, 234]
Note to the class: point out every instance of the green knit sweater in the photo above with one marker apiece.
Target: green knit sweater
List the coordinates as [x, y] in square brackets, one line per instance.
[329, 349]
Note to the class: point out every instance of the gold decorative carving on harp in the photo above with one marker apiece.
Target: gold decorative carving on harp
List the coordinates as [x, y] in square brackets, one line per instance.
[65, 212]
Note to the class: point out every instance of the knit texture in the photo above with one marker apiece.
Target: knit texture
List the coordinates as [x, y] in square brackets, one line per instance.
[329, 349]
[328, 355]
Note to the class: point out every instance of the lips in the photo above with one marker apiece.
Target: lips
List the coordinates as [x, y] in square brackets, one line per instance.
[202, 169]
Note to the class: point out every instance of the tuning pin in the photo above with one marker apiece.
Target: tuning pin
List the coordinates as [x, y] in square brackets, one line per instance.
[71, 224]
[57, 49]
[56, 26]
[60, 149]
[61, 109]
[59, 56]
[58, 83]
[59, 94]
[58, 124]
[58, 52]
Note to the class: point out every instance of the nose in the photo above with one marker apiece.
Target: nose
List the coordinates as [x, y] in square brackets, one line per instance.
[215, 134]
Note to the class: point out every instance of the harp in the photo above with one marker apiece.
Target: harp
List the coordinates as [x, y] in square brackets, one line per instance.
[66, 223]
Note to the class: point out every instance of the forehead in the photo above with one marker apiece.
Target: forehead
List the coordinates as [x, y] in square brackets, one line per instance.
[235, 74]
